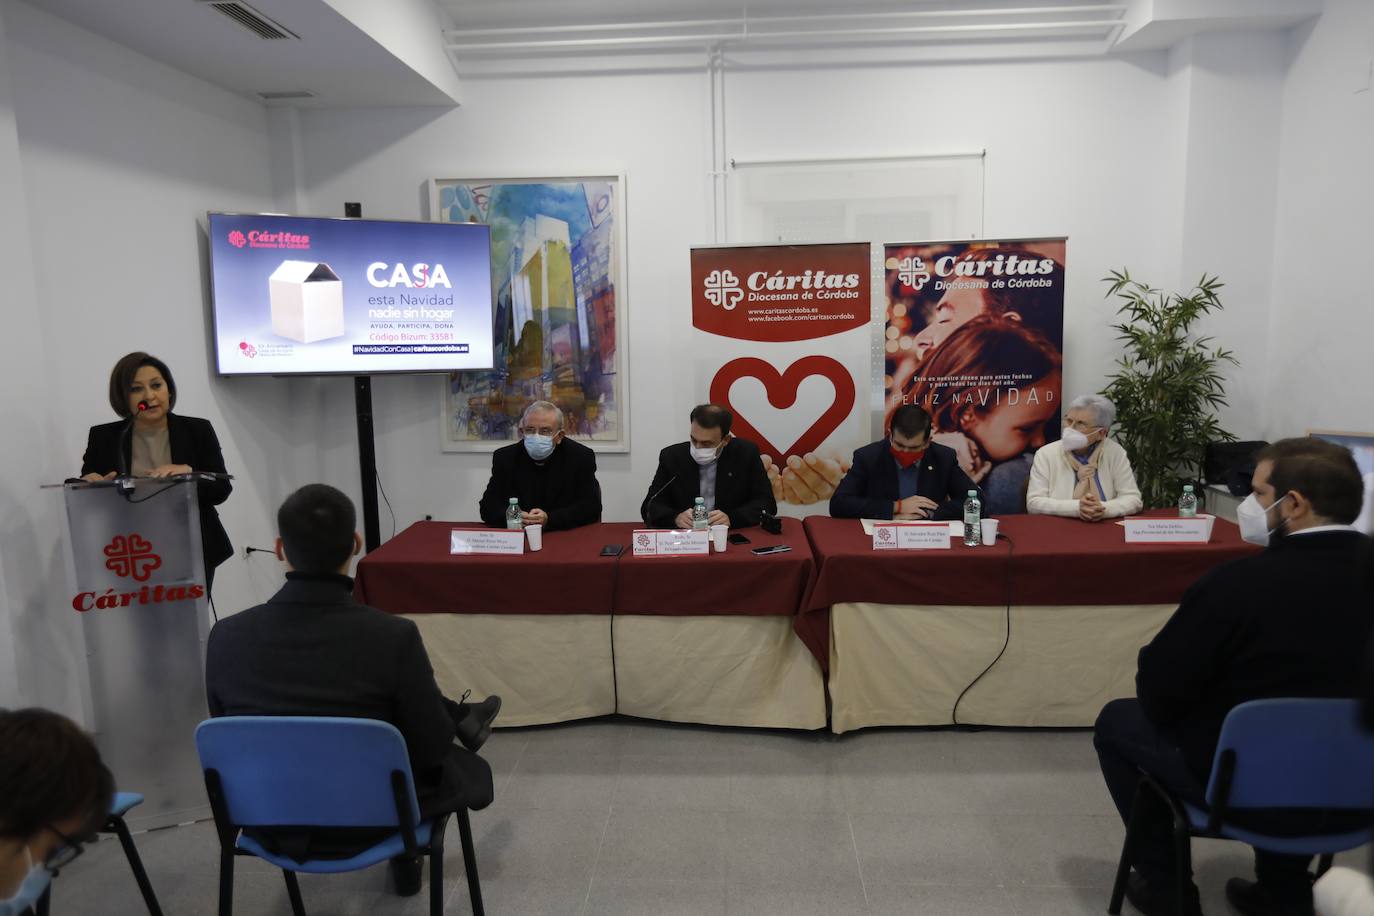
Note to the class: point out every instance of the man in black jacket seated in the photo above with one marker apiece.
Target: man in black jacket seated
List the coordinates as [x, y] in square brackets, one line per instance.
[904, 476]
[1291, 621]
[724, 470]
[553, 477]
[314, 651]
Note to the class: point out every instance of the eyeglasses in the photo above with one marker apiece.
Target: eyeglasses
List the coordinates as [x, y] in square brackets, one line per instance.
[1082, 426]
[539, 431]
[63, 855]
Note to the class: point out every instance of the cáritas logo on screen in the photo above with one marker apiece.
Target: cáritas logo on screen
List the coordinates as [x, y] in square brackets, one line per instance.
[256, 238]
[132, 556]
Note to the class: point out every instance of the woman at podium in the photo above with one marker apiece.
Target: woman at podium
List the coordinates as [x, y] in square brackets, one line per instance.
[151, 441]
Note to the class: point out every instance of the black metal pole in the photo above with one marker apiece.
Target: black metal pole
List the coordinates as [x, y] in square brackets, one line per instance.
[367, 443]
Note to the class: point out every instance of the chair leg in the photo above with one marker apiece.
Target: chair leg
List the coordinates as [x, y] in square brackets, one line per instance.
[41, 909]
[1123, 869]
[145, 886]
[226, 880]
[470, 862]
[1324, 864]
[436, 880]
[1183, 860]
[293, 890]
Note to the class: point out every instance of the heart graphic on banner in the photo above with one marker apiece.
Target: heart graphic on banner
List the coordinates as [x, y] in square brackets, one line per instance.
[782, 394]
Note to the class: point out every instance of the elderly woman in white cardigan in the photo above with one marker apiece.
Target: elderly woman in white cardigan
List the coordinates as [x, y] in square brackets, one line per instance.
[1084, 475]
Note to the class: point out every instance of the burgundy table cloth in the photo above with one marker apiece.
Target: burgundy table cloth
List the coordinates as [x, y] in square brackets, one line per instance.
[1048, 561]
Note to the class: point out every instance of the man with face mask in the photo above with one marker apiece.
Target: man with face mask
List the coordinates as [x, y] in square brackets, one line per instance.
[1291, 621]
[54, 795]
[1084, 475]
[722, 469]
[553, 477]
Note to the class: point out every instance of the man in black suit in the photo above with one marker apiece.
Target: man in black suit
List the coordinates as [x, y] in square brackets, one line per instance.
[905, 476]
[722, 469]
[314, 651]
[553, 477]
[1291, 621]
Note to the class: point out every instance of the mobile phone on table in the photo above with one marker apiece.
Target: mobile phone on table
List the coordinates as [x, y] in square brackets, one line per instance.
[772, 548]
[612, 550]
[737, 538]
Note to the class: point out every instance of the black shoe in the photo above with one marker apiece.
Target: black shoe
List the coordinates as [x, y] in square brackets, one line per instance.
[1254, 899]
[1160, 898]
[475, 727]
[405, 873]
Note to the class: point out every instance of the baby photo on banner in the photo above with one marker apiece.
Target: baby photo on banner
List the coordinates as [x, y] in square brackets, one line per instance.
[975, 335]
[782, 339]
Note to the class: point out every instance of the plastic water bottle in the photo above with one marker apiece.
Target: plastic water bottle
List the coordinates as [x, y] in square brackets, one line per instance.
[513, 521]
[701, 519]
[973, 516]
[1187, 503]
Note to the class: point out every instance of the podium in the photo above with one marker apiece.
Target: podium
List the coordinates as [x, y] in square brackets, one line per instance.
[138, 582]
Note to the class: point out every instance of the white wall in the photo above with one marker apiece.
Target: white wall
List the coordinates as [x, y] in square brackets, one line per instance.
[120, 158]
[1320, 372]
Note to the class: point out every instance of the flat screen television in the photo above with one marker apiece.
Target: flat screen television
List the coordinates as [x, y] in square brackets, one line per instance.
[296, 295]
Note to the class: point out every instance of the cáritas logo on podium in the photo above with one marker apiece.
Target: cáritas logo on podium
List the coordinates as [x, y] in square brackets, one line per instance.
[131, 556]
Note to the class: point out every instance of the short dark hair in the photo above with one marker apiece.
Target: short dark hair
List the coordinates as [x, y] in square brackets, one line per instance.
[122, 379]
[1323, 472]
[713, 416]
[50, 771]
[911, 420]
[317, 524]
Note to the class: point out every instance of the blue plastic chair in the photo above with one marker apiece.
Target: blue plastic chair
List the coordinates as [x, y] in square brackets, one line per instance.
[288, 771]
[114, 823]
[1296, 756]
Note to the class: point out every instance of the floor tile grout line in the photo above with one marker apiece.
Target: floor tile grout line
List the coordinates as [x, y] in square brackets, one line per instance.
[854, 844]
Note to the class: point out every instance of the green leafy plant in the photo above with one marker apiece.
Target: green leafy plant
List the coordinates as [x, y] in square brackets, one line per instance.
[1168, 384]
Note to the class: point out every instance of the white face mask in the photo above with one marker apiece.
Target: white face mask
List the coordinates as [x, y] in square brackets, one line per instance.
[1073, 439]
[25, 897]
[539, 447]
[704, 456]
[1254, 520]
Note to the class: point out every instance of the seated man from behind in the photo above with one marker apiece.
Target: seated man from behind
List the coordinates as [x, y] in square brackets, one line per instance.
[553, 477]
[905, 476]
[724, 470]
[1291, 621]
[314, 651]
[1084, 475]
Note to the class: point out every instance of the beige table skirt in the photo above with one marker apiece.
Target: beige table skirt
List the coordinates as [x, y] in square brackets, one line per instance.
[717, 670]
[906, 664]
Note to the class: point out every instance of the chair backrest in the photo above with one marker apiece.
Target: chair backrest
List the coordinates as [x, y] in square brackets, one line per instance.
[1296, 753]
[307, 771]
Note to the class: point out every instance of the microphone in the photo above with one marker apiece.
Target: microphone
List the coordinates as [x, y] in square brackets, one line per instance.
[643, 507]
[123, 437]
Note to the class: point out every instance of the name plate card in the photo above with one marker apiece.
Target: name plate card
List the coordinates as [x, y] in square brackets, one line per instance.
[485, 540]
[911, 536]
[676, 543]
[1169, 530]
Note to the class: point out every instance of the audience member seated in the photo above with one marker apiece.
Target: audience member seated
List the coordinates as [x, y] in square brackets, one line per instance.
[1084, 475]
[54, 795]
[1291, 621]
[314, 651]
[553, 477]
[905, 476]
[722, 469]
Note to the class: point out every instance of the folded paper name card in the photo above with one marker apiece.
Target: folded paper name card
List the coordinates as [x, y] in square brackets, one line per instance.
[485, 540]
[911, 536]
[1196, 530]
[686, 542]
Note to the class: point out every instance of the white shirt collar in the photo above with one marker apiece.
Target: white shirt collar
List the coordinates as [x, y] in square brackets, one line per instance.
[1324, 528]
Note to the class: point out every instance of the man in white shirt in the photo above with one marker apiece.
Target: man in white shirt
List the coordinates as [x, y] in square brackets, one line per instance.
[1084, 475]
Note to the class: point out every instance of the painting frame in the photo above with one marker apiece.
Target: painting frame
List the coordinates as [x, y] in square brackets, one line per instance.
[583, 411]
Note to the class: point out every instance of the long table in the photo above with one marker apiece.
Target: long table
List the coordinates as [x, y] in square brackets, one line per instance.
[901, 634]
[564, 633]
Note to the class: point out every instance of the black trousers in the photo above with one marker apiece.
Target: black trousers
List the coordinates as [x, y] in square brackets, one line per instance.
[1127, 742]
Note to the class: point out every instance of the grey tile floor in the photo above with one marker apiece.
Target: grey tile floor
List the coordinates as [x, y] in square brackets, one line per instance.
[622, 817]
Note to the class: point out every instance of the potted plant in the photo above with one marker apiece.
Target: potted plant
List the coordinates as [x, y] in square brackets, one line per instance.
[1168, 384]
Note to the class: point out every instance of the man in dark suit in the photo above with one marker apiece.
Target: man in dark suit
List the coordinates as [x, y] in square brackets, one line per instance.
[1291, 621]
[314, 651]
[553, 477]
[725, 471]
[905, 476]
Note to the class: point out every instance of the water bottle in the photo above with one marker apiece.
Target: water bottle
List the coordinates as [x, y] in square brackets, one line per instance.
[513, 521]
[1187, 503]
[701, 519]
[973, 516]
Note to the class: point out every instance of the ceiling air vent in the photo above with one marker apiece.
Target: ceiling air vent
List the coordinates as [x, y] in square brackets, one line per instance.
[286, 96]
[250, 19]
